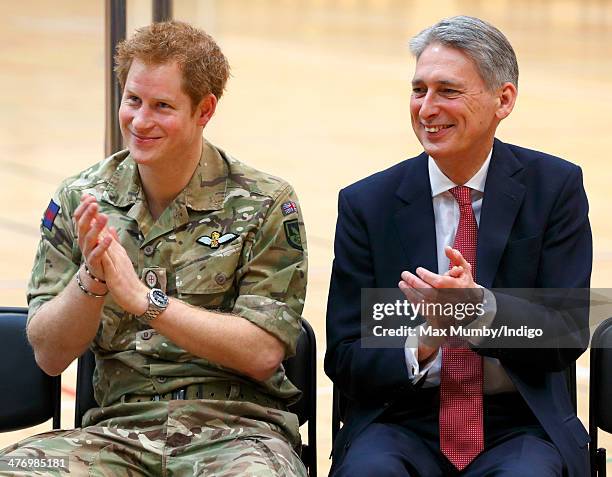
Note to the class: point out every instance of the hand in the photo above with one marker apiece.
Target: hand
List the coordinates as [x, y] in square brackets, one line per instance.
[431, 288]
[90, 225]
[418, 291]
[459, 276]
[124, 285]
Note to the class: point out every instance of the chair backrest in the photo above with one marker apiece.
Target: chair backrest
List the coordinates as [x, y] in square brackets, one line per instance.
[600, 384]
[84, 399]
[600, 391]
[28, 396]
[300, 369]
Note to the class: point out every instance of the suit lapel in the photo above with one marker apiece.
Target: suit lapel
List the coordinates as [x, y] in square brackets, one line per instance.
[502, 199]
[414, 217]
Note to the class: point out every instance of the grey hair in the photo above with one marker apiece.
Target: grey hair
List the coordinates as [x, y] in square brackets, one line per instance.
[482, 42]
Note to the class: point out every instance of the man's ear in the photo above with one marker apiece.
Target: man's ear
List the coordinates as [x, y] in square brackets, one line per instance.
[506, 98]
[205, 110]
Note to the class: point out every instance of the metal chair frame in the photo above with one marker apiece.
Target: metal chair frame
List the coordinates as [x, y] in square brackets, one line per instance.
[600, 390]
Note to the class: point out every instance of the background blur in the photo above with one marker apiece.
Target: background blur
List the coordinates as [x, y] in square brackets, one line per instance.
[319, 96]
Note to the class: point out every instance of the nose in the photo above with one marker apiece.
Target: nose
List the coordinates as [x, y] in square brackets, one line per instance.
[429, 106]
[142, 119]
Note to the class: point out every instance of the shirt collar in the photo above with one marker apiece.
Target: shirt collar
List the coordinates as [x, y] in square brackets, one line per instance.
[440, 183]
[207, 187]
[205, 191]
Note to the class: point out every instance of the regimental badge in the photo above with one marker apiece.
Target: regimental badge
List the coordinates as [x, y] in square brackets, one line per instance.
[292, 233]
[50, 214]
[155, 277]
[216, 239]
[289, 208]
[151, 279]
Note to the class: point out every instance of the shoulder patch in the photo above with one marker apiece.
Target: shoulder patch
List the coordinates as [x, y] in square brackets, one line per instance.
[50, 215]
[289, 208]
[292, 233]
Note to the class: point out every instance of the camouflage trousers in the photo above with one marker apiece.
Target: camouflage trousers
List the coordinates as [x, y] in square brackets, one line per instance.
[169, 439]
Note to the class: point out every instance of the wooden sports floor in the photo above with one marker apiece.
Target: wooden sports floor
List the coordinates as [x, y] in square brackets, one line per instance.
[319, 95]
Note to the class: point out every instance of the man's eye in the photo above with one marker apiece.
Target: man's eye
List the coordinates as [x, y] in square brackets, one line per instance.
[418, 91]
[164, 105]
[449, 91]
[132, 99]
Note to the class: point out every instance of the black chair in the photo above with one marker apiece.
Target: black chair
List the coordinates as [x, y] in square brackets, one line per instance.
[28, 396]
[600, 393]
[301, 370]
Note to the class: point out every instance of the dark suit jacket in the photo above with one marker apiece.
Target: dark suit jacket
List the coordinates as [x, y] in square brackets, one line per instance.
[534, 233]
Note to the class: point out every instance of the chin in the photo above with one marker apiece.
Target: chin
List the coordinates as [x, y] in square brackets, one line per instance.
[434, 150]
[142, 158]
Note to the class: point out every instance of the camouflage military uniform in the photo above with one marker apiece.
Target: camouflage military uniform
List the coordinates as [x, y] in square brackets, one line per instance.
[232, 241]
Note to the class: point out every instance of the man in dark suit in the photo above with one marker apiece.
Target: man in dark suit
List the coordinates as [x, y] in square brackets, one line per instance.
[473, 213]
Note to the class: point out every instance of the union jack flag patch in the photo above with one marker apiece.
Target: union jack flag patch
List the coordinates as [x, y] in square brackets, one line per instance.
[50, 214]
[289, 208]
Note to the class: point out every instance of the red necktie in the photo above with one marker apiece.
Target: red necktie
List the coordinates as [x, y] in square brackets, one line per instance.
[461, 430]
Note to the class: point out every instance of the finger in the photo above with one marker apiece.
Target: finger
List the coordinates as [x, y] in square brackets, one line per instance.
[83, 227]
[99, 227]
[412, 294]
[414, 281]
[453, 255]
[80, 212]
[425, 290]
[95, 257]
[86, 199]
[93, 235]
[108, 266]
[87, 196]
[88, 214]
[455, 272]
[456, 258]
[114, 234]
[430, 278]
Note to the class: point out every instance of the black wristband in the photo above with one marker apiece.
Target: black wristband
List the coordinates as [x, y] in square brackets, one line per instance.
[92, 276]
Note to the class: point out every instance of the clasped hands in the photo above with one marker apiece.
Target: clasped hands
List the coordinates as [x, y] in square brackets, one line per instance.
[431, 288]
[107, 259]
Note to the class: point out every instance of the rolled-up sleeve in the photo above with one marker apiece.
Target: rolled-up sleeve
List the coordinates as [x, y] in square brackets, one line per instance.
[56, 259]
[272, 282]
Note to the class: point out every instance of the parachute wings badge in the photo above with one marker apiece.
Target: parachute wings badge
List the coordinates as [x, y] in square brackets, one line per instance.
[216, 239]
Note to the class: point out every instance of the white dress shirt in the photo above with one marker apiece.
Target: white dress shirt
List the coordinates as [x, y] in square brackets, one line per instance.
[446, 213]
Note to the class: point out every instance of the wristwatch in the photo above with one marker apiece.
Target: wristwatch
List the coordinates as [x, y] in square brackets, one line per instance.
[158, 302]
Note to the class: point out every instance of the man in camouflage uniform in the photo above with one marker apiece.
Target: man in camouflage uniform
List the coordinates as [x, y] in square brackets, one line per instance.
[193, 384]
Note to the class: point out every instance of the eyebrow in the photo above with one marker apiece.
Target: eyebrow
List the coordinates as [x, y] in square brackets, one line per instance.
[159, 99]
[417, 81]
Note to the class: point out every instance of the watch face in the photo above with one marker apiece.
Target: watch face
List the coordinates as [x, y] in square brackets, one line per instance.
[159, 298]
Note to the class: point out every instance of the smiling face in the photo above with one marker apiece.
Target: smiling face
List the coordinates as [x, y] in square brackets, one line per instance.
[158, 122]
[453, 113]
